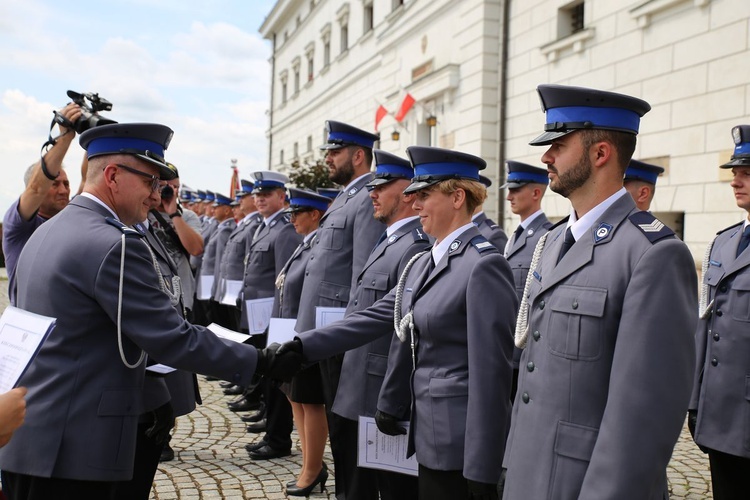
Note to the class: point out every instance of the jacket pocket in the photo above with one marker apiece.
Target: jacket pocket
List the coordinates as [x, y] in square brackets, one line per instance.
[740, 298]
[575, 326]
[449, 399]
[333, 294]
[574, 445]
[331, 233]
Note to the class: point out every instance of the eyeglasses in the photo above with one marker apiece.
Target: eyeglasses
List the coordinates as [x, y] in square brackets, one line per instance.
[155, 181]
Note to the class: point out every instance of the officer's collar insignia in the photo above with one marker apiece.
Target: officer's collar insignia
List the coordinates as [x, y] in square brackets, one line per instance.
[602, 232]
[454, 246]
[273, 223]
[127, 230]
[530, 232]
[353, 191]
[392, 238]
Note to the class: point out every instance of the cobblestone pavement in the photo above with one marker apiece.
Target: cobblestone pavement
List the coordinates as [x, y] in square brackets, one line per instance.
[211, 461]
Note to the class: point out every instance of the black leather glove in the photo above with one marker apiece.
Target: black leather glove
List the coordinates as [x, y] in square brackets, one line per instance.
[388, 424]
[287, 362]
[692, 419]
[163, 423]
[482, 491]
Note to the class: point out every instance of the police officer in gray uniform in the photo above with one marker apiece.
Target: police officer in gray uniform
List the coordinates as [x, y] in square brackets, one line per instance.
[347, 234]
[526, 185]
[364, 368]
[640, 182]
[718, 416]
[201, 307]
[488, 227]
[93, 273]
[455, 307]
[606, 320]
[213, 254]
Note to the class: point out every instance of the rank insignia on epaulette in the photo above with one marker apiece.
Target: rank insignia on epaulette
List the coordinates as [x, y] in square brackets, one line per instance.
[127, 230]
[419, 235]
[481, 244]
[650, 226]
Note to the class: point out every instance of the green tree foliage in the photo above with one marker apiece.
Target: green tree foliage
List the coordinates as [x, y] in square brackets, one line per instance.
[309, 175]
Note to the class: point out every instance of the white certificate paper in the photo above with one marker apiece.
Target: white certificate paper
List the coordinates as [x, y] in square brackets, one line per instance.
[281, 330]
[376, 450]
[326, 315]
[205, 283]
[232, 289]
[258, 314]
[228, 334]
[21, 336]
[160, 369]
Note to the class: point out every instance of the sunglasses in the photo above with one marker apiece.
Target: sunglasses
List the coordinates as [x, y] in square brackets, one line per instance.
[155, 181]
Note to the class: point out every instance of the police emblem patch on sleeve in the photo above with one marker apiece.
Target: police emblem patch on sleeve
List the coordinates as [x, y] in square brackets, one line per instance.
[650, 226]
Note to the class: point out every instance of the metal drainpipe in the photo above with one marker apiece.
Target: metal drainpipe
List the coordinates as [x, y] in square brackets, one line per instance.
[503, 88]
[270, 109]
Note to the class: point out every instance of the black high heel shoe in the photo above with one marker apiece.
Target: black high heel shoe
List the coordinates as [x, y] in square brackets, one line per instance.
[293, 482]
[296, 491]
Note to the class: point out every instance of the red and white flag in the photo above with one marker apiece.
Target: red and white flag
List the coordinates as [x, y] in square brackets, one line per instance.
[406, 105]
[235, 181]
[379, 115]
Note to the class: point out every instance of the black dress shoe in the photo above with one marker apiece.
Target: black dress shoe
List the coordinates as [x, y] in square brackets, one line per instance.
[244, 405]
[167, 454]
[266, 453]
[235, 390]
[257, 427]
[254, 417]
[255, 446]
[296, 491]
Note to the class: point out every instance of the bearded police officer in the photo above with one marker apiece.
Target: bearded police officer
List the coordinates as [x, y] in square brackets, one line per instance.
[718, 417]
[607, 320]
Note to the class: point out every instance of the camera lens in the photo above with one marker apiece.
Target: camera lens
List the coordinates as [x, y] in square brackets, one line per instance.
[167, 192]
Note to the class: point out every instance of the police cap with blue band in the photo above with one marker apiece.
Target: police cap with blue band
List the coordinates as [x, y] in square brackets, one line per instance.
[266, 180]
[578, 108]
[200, 194]
[331, 193]
[389, 167]
[220, 199]
[147, 141]
[246, 188]
[741, 155]
[341, 135]
[433, 165]
[641, 171]
[210, 197]
[486, 181]
[520, 174]
[301, 200]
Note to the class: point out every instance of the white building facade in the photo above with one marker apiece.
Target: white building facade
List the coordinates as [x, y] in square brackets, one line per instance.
[472, 67]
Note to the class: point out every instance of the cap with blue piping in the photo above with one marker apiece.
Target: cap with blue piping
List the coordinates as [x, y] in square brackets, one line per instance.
[302, 199]
[640, 171]
[389, 167]
[433, 165]
[220, 199]
[266, 180]
[341, 135]
[741, 154]
[520, 174]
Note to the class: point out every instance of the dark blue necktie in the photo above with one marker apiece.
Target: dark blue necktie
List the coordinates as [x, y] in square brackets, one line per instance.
[381, 239]
[744, 241]
[517, 234]
[567, 243]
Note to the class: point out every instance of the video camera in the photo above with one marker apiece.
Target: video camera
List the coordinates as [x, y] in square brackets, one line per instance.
[90, 104]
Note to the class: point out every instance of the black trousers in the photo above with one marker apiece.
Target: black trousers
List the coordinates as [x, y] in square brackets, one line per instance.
[730, 476]
[442, 485]
[24, 487]
[278, 418]
[147, 454]
[365, 484]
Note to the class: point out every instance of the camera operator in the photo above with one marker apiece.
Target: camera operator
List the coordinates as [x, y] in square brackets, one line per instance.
[47, 192]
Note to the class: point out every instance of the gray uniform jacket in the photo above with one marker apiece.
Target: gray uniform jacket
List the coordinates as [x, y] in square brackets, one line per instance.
[83, 402]
[519, 258]
[464, 314]
[286, 299]
[214, 252]
[346, 236]
[721, 391]
[267, 255]
[606, 373]
[232, 266]
[364, 368]
[209, 226]
[491, 231]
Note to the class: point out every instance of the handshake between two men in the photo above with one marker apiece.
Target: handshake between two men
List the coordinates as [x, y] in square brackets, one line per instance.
[283, 361]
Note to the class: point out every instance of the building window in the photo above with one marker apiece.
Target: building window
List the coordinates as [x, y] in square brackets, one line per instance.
[296, 69]
[284, 77]
[310, 56]
[326, 53]
[296, 150]
[344, 38]
[309, 143]
[281, 157]
[570, 19]
[368, 17]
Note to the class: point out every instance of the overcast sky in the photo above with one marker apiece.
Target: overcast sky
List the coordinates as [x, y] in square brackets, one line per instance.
[201, 68]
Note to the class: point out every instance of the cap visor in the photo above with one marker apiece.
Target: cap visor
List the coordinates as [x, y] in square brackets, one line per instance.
[165, 173]
[332, 146]
[547, 138]
[737, 162]
[513, 185]
[420, 185]
[379, 181]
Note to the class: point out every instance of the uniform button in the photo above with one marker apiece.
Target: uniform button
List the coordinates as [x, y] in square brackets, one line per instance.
[373, 282]
[536, 335]
[541, 305]
[525, 397]
[723, 288]
[356, 302]
[575, 304]
[307, 273]
[312, 258]
[714, 361]
[716, 337]
[337, 295]
[530, 366]
[719, 313]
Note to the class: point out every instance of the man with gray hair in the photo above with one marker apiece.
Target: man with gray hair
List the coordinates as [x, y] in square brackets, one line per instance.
[47, 192]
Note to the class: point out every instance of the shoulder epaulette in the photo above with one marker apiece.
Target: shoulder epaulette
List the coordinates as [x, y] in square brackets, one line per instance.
[482, 245]
[731, 227]
[127, 230]
[419, 234]
[651, 227]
